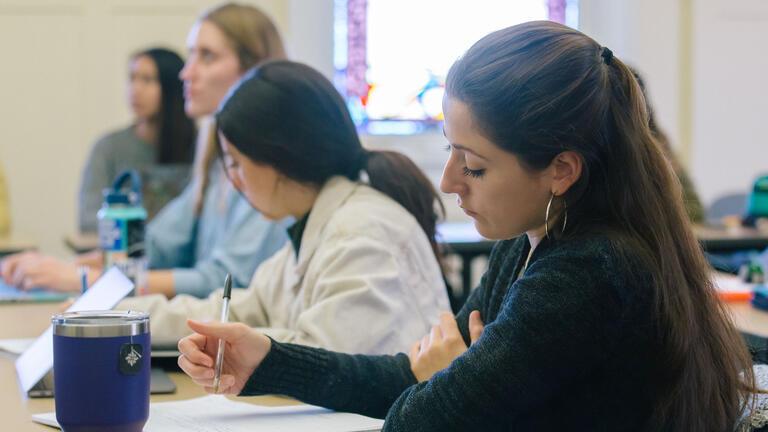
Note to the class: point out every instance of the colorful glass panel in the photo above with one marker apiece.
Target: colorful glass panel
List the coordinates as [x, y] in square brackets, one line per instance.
[391, 56]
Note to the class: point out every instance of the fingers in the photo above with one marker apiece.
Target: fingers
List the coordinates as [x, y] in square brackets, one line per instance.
[226, 385]
[448, 325]
[226, 331]
[424, 344]
[35, 279]
[475, 326]
[17, 275]
[9, 264]
[413, 353]
[25, 284]
[201, 375]
[192, 346]
[435, 335]
[6, 269]
[26, 272]
[31, 281]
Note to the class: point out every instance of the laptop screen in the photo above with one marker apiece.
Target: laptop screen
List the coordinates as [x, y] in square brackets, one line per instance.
[9, 294]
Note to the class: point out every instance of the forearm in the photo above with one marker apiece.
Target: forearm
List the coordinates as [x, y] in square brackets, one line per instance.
[354, 383]
[198, 281]
[416, 409]
[94, 259]
[161, 282]
[169, 317]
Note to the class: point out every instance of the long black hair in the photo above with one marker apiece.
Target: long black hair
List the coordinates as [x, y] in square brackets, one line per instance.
[289, 116]
[176, 131]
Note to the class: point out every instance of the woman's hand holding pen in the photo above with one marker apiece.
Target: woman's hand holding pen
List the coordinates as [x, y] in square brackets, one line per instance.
[442, 345]
[245, 350]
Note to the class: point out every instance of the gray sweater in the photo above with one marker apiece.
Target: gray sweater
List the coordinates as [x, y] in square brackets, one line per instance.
[565, 347]
[116, 152]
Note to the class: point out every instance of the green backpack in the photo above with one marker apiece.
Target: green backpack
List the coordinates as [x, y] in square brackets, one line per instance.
[757, 203]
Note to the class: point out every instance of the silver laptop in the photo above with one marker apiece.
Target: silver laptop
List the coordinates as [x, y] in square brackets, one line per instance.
[159, 383]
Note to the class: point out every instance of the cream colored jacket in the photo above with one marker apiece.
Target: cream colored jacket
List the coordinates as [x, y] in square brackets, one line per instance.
[365, 281]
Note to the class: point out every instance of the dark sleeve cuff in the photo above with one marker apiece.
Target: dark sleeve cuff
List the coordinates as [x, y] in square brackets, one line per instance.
[360, 384]
[285, 370]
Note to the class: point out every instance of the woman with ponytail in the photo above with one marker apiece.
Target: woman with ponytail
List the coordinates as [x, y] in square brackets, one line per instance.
[599, 310]
[361, 272]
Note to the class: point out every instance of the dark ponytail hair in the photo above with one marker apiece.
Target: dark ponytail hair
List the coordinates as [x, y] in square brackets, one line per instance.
[692, 203]
[540, 88]
[289, 116]
[176, 131]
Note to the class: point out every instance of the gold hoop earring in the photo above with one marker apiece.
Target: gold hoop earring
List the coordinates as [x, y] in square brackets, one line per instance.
[546, 215]
[565, 215]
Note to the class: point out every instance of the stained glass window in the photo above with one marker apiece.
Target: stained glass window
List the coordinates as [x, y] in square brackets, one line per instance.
[391, 56]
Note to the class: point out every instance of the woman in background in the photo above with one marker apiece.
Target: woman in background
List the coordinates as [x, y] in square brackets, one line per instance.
[210, 229]
[159, 144]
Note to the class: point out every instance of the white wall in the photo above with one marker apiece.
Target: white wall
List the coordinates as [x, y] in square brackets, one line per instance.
[645, 35]
[730, 92]
[310, 33]
[705, 64]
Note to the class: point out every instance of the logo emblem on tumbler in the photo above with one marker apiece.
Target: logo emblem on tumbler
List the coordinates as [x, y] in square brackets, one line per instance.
[130, 359]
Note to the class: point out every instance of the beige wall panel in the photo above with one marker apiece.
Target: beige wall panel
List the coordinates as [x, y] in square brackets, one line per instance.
[41, 108]
[730, 95]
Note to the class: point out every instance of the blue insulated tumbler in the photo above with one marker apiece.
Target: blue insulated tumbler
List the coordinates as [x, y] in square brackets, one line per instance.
[101, 370]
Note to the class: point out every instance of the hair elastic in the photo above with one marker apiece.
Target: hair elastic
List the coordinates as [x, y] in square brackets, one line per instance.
[607, 55]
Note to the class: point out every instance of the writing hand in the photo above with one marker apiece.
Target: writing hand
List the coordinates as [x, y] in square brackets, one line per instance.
[244, 350]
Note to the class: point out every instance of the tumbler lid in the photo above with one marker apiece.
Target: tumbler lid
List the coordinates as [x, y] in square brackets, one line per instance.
[93, 324]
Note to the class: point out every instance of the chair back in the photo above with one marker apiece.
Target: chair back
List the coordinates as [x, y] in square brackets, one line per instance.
[726, 205]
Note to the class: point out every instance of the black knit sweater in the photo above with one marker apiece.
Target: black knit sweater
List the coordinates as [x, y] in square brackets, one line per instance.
[565, 347]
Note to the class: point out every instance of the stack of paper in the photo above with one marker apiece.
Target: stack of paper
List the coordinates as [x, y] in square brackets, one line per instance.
[732, 289]
[217, 413]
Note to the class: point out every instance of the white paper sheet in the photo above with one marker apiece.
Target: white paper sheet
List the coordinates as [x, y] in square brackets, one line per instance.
[15, 346]
[37, 360]
[216, 413]
[731, 284]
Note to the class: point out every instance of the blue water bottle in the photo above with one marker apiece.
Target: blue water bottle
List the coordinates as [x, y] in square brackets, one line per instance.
[122, 221]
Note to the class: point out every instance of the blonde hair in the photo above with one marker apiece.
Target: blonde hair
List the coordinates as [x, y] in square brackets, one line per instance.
[254, 38]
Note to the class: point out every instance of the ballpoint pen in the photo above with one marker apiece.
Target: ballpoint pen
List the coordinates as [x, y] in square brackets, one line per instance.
[224, 318]
[82, 273]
